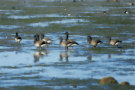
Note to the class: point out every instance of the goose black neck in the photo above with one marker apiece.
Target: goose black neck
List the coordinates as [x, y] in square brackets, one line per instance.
[42, 36]
[16, 33]
[66, 36]
[61, 39]
[35, 39]
[89, 38]
[109, 38]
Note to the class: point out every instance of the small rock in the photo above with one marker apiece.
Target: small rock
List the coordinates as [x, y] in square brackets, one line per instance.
[108, 80]
[124, 83]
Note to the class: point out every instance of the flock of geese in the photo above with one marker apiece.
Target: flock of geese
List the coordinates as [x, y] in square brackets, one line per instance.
[41, 41]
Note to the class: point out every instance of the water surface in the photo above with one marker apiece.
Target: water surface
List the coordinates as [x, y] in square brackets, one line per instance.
[55, 67]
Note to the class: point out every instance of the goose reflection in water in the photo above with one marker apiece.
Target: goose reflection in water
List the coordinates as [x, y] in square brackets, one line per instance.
[65, 55]
[89, 57]
[110, 56]
[39, 54]
[18, 48]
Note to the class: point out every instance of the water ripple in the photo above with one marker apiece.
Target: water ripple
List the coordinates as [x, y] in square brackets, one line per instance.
[64, 21]
[9, 26]
[34, 16]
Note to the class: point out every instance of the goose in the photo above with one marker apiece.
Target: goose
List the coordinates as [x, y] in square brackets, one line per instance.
[17, 38]
[131, 3]
[65, 44]
[45, 39]
[126, 12]
[104, 12]
[74, 43]
[39, 43]
[65, 9]
[114, 41]
[94, 43]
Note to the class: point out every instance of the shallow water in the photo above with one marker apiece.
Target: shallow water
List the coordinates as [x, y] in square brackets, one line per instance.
[22, 65]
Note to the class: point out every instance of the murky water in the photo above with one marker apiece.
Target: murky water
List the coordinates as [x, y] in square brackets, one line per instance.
[24, 66]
